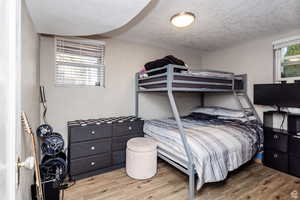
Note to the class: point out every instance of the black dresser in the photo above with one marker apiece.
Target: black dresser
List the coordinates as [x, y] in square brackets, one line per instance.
[282, 147]
[98, 145]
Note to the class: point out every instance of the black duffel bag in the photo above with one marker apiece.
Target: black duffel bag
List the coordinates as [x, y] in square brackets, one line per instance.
[162, 62]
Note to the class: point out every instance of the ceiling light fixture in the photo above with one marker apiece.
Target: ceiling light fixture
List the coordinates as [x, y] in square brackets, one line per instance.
[183, 19]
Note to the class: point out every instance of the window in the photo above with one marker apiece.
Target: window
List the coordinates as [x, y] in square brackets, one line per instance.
[287, 59]
[79, 62]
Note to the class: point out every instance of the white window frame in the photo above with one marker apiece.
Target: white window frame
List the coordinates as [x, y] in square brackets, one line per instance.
[277, 46]
[86, 41]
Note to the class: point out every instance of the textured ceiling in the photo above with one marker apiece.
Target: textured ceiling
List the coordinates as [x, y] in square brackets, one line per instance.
[219, 23]
[82, 17]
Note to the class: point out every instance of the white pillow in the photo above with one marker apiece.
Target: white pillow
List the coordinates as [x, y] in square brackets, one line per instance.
[220, 111]
[294, 110]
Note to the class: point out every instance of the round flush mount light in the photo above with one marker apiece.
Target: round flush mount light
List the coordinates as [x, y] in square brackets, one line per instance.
[183, 19]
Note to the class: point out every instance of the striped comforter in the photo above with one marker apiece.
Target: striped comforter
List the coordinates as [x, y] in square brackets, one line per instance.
[217, 146]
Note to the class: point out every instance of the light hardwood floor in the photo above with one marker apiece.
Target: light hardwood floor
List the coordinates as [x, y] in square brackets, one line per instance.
[253, 181]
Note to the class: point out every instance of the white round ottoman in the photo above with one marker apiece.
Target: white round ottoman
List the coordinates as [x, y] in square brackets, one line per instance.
[141, 158]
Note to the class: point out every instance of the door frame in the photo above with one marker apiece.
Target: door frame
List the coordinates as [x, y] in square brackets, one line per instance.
[14, 95]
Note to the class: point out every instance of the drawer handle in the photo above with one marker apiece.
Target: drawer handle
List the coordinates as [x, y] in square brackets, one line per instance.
[93, 163]
[92, 148]
[275, 155]
[276, 137]
[130, 128]
[93, 132]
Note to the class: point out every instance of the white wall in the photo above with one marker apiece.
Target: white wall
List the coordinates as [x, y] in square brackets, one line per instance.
[122, 60]
[254, 58]
[30, 88]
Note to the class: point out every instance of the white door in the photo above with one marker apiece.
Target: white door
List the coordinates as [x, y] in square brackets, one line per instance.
[9, 97]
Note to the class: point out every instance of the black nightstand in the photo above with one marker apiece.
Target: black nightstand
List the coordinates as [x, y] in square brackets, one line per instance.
[294, 155]
[276, 149]
[281, 147]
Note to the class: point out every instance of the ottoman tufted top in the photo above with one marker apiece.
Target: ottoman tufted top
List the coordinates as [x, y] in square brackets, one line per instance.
[141, 144]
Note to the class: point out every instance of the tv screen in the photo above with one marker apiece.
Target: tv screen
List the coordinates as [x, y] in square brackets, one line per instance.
[282, 95]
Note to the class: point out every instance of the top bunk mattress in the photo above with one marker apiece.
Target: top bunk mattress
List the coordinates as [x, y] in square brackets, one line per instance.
[192, 80]
[217, 146]
[215, 74]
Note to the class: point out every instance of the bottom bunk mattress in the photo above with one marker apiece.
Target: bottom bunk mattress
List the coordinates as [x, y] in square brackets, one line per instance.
[217, 146]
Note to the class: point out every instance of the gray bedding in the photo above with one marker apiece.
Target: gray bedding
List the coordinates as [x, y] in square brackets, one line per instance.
[218, 146]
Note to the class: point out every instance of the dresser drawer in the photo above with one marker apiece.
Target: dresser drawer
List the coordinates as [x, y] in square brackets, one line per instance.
[275, 141]
[78, 134]
[82, 149]
[294, 145]
[294, 165]
[120, 129]
[118, 157]
[90, 163]
[119, 143]
[276, 160]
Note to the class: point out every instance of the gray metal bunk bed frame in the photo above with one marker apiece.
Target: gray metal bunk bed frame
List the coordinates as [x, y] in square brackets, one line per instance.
[172, 81]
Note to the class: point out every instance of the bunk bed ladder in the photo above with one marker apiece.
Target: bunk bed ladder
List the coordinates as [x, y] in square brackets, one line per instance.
[246, 105]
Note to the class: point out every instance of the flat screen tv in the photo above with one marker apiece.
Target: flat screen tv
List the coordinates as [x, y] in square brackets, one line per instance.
[281, 95]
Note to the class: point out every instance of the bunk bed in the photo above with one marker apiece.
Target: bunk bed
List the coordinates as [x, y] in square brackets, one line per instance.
[173, 78]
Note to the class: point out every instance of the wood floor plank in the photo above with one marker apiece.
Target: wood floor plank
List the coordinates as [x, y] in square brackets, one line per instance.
[253, 181]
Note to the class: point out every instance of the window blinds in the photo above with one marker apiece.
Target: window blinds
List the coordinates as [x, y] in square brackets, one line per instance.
[79, 62]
